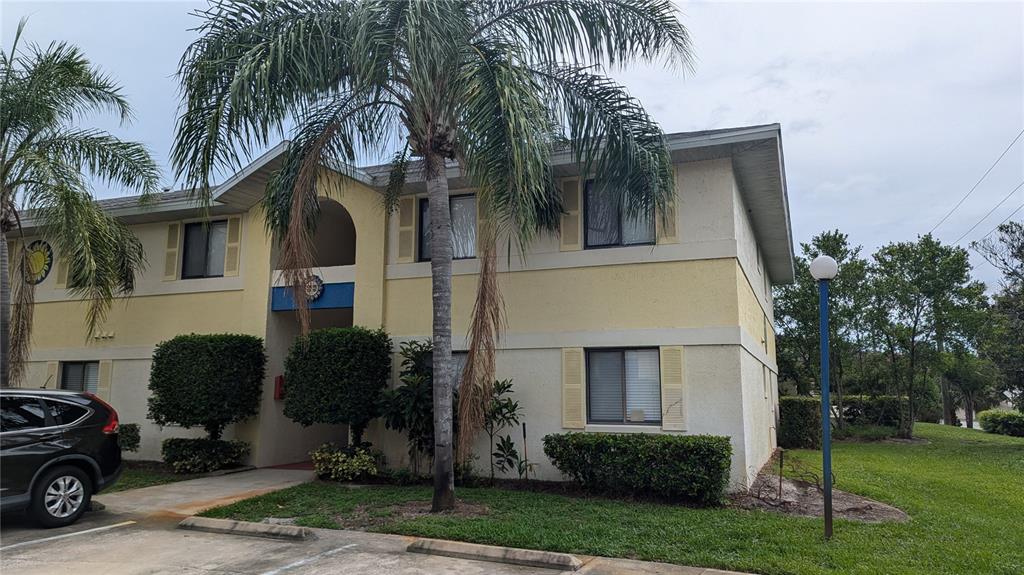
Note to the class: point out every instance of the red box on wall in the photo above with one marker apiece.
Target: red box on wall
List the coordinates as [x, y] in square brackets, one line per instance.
[279, 387]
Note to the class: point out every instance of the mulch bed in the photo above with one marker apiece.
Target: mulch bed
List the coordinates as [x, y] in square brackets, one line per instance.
[807, 500]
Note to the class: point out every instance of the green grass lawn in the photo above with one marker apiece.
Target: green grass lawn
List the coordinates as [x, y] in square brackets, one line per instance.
[964, 491]
[145, 474]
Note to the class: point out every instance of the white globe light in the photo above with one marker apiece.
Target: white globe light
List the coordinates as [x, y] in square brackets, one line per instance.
[824, 268]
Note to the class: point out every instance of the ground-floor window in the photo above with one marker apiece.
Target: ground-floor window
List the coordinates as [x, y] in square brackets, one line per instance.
[623, 386]
[80, 376]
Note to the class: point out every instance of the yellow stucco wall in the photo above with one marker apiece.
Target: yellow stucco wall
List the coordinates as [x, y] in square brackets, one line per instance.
[698, 293]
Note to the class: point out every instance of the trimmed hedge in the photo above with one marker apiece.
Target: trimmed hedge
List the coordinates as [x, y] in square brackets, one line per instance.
[1002, 422]
[337, 376]
[208, 381]
[883, 410]
[337, 464]
[676, 467]
[128, 437]
[202, 455]
[799, 422]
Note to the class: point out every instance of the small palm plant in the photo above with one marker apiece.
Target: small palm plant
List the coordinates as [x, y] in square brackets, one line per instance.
[492, 87]
[46, 161]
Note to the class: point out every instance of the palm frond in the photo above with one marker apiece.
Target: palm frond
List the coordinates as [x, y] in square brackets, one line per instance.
[588, 31]
[103, 155]
[611, 136]
[255, 63]
[505, 139]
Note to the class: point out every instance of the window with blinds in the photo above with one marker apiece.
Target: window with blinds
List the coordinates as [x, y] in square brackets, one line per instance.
[204, 249]
[623, 386]
[463, 219]
[80, 376]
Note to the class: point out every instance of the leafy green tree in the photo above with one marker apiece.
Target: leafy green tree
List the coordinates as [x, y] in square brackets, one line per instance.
[46, 161]
[974, 381]
[1006, 344]
[493, 87]
[922, 291]
[796, 311]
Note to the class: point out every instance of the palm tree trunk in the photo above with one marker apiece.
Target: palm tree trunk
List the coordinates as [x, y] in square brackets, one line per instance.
[5, 313]
[441, 275]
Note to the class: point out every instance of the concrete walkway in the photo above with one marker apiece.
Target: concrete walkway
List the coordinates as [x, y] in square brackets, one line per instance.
[186, 498]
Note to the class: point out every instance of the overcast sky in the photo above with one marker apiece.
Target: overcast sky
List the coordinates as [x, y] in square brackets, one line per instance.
[890, 112]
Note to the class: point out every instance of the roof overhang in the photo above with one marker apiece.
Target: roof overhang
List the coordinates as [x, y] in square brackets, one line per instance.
[755, 151]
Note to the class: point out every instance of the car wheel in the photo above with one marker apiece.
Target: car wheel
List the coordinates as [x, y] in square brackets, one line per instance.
[60, 496]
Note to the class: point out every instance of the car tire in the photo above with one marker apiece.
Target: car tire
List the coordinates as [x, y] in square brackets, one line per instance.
[60, 496]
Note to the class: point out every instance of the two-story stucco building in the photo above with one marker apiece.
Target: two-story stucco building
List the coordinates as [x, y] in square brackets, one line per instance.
[613, 324]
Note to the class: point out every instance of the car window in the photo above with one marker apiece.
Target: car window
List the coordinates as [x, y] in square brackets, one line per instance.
[64, 412]
[17, 413]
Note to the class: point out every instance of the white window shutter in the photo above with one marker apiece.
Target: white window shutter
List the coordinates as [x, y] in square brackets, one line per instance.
[407, 229]
[171, 252]
[103, 387]
[666, 224]
[52, 375]
[232, 247]
[574, 397]
[572, 220]
[673, 391]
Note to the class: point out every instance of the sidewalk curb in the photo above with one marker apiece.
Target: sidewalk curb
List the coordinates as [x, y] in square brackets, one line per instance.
[232, 527]
[509, 555]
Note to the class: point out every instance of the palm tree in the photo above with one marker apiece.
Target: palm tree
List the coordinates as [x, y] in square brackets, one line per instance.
[493, 87]
[46, 161]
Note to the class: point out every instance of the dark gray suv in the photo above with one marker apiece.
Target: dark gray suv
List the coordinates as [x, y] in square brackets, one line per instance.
[57, 449]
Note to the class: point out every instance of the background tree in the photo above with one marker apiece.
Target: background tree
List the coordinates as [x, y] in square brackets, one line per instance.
[46, 162]
[974, 382]
[1006, 345]
[490, 86]
[796, 311]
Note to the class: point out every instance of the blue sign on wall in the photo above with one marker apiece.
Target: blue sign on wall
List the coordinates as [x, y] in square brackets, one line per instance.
[333, 296]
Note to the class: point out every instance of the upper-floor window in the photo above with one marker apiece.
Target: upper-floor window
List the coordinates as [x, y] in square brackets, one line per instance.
[463, 215]
[623, 386]
[80, 376]
[203, 253]
[607, 224]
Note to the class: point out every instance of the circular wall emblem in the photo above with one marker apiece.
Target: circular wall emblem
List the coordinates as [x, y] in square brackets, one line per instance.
[314, 288]
[39, 256]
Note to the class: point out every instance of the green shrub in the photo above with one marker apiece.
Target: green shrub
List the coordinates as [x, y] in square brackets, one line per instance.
[880, 410]
[865, 432]
[336, 376]
[337, 464]
[1002, 422]
[687, 467]
[202, 455]
[409, 408]
[128, 437]
[208, 381]
[799, 422]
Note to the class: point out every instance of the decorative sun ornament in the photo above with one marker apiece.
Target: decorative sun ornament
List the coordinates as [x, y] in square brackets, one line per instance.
[39, 257]
[314, 288]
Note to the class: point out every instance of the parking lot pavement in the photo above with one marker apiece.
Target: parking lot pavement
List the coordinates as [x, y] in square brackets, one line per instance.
[153, 546]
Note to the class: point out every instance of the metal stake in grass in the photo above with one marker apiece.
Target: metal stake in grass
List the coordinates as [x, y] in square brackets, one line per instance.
[824, 268]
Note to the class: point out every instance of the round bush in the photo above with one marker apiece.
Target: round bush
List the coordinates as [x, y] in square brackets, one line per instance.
[1002, 421]
[202, 455]
[336, 376]
[128, 436]
[208, 381]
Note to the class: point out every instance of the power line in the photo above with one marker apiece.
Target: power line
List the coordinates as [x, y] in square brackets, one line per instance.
[978, 183]
[983, 218]
[1003, 222]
